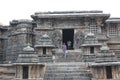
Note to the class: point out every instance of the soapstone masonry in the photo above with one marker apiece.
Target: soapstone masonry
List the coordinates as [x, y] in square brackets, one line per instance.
[32, 49]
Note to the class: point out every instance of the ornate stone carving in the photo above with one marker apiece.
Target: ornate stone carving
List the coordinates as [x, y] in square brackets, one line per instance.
[57, 38]
[79, 37]
[44, 23]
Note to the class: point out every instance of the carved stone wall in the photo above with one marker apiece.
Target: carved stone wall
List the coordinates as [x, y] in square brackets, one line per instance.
[3, 42]
[34, 72]
[40, 32]
[78, 39]
[68, 23]
[99, 72]
[48, 51]
[57, 38]
[44, 23]
[20, 34]
[7, 71]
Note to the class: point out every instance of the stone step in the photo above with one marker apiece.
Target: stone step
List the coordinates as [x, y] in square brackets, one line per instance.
[71, 60]
[66, 68]
[68, 78]
[66, 74]
[66, 71]
[67, 63]
[70, 57]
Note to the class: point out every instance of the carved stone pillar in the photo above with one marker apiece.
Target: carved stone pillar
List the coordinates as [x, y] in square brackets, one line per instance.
[86, 25]
[29, 74]
[118, 29]
[38, 72]
[108, 25]
[99, 24]
[21, 72]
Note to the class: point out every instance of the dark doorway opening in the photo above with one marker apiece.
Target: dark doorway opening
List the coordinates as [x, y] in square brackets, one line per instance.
[44, 50]
[25, 72]
[91, 50]
[68, 38]
[108, 72]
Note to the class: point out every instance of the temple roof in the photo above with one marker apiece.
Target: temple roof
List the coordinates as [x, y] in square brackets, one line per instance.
[104, 47]
[113, 20]
[90, 34]
[105, 55]
[45, 41]
[21, 21]
[114, 40]
[27, 55]
[101, 36]
[28, 48]
[105, 64]
[91, 40]
[3, 27]
[69, 14]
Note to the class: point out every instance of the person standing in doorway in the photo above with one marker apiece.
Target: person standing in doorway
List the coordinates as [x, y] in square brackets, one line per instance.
[69, 44]
[64, 48]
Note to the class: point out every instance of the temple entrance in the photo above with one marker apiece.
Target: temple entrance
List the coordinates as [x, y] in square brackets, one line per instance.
[44, 50]
[91, 50]
[25, 72]
[108, 72]
[68, 35]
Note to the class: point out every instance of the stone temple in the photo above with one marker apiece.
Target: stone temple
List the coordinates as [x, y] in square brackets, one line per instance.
[31, 49]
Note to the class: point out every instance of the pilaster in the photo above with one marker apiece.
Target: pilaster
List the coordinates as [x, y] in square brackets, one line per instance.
[99, 24]
[29, 72]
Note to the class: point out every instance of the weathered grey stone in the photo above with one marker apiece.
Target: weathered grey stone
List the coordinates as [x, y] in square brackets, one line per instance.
[46, 30]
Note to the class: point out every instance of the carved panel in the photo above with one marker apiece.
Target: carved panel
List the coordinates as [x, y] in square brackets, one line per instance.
[67, 23]
[44, 23]
[57, 38]
[78, 39]
[23, 25]
[40, 33]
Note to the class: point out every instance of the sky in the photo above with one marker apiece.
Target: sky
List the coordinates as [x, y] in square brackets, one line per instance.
[23, 9]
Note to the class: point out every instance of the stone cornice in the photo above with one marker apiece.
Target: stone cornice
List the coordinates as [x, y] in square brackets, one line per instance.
[69, 14]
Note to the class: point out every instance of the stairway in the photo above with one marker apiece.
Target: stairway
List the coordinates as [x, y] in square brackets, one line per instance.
[72, 56]
[66, 71]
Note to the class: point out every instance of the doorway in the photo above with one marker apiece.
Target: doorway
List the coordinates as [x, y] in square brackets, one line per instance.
[44, 50]
[108, 72]
[68, 38]
[25, 72]
[91, 50]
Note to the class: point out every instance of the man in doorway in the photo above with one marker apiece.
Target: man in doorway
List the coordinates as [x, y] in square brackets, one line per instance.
[69, 44]
[64, 48]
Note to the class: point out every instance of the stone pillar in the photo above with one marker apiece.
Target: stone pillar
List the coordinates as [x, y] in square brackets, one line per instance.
[21, 72]
[29, 74]
[38, 71]
[86, 29]
[118, 29]
[16, 72]
[99, 24]
[108, 25]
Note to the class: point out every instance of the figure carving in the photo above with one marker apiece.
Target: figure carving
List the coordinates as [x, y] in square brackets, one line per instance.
[57, 39]
[79, 37]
